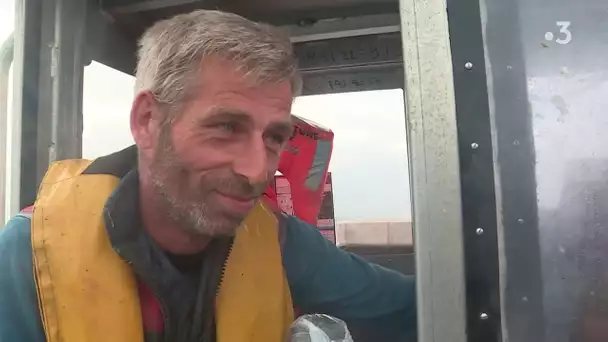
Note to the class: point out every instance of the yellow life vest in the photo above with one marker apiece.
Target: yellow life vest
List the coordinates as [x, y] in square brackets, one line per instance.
[86, 292]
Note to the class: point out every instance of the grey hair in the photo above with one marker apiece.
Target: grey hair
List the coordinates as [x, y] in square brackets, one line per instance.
[172, 51]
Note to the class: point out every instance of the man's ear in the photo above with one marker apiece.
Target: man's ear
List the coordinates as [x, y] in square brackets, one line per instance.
[145, 121]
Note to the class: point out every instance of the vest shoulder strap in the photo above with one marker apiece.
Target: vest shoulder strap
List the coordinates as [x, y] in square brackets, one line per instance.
[67, 222]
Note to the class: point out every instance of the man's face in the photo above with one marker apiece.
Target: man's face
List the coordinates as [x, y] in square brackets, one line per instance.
[216, 159]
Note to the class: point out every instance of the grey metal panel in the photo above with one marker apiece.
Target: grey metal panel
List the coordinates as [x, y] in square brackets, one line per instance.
[327, 58]
[549, 82]
[434, 170]
[277, 12]
[268, 6]
[372, 62]
[356, 79]
[352, 51]
[520, 269]
[344, 27]
[67, 72]
[327, 64]
[144, 5]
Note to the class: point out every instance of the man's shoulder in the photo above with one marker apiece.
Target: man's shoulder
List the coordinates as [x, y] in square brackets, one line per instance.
[290, 221]
[19, 315]
[15, 237]
[15, 255]
[290, 227]
[301, 237]
[293, 228]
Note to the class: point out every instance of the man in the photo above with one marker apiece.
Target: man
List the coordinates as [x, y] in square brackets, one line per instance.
[167, 241]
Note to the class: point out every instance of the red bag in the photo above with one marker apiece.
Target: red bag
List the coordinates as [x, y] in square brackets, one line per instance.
[305, 163]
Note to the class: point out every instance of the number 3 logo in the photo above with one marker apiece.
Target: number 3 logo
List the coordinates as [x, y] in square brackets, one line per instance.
[564, 29]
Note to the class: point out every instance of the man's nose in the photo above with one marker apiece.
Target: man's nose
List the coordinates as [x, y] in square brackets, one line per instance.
[252, 161]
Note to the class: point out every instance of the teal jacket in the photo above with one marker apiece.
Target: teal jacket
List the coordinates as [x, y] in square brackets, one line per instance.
[377, 303]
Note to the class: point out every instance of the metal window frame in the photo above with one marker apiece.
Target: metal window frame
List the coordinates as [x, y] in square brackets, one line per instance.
[477, 179]
[6, 60]
[25, 99]
[434, 171]
[344, 27]
[48, 70]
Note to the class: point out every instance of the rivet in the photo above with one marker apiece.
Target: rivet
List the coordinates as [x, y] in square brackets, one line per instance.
[474, 145]
[484, 316]
[468, 65]
[479, 231]
[520, 221]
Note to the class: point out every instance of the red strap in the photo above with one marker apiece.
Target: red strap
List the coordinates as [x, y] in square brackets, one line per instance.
[151, 312]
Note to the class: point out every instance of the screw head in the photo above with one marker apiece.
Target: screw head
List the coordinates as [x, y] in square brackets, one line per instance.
[468, 65]
[479, 231]
[520, 221]
[484, 316]
[474, 145]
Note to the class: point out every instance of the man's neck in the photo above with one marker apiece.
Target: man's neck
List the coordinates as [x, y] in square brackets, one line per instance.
[164, 231]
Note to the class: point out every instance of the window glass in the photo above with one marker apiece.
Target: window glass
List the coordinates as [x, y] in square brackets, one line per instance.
[107, 96]
[369, 162]
[369, 166]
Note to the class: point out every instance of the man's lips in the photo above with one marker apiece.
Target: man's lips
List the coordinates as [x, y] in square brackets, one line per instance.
[236, 203]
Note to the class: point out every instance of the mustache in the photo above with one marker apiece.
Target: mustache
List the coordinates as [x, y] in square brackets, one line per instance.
[239, 187]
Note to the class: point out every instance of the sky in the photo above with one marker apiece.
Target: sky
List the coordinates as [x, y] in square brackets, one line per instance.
[7, 18]
[369, 163]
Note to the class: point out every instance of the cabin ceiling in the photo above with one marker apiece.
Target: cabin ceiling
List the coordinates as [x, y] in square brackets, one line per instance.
[342, 45]
[134, 16]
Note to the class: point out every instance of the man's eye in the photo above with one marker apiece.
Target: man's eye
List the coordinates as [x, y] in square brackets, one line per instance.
[227, 127]
[277, 138]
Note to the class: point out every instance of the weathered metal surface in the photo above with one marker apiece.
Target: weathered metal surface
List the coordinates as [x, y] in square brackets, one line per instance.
[435, 172]
[548, 80]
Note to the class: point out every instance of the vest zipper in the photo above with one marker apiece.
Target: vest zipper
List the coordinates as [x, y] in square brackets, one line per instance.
[164, 313]
[211, 335]
[224, 265]
[213, 279]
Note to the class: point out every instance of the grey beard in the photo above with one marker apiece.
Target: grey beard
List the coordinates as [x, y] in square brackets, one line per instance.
[191, 217]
